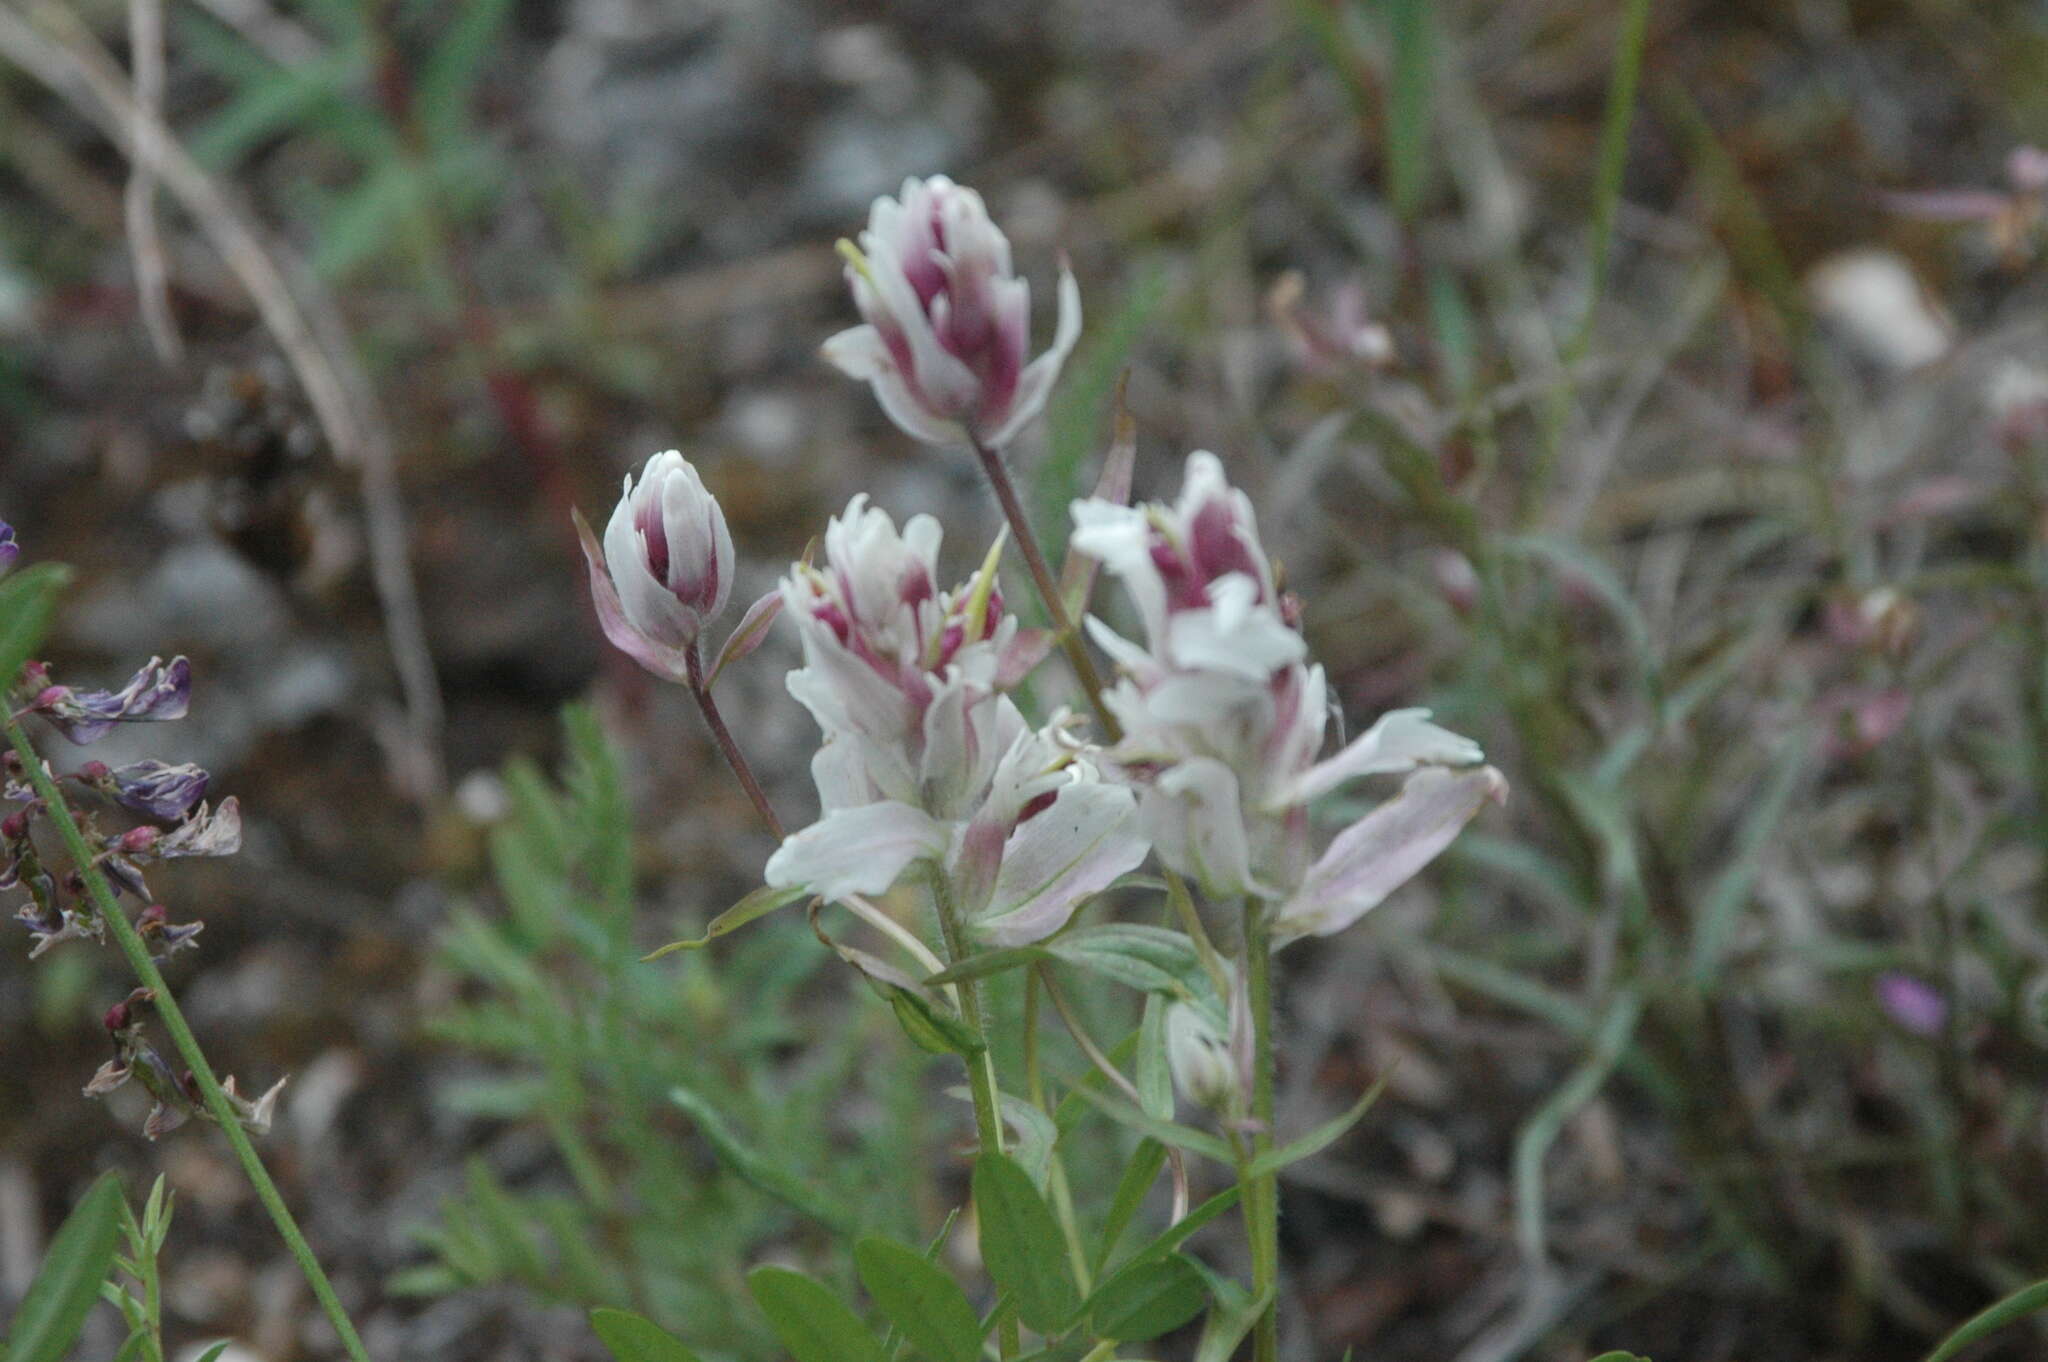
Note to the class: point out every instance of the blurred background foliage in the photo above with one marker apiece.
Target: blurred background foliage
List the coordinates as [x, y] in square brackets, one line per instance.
[1658, 390]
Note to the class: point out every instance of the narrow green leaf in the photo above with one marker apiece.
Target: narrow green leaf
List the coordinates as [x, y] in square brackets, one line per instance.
[1181, 1230]
[928, 1306]
[1021, 1244]
[1294, 1151]
[2017, 1306]
[212, 1354]
[1730, 893]
[989, 962]
[745, 1158]
[1619, 1356]
[1147, 1299]
[814, 1324]
[634, 1338]
[67, 1284]
[1138, 1176]
[1152, 959]
[758, 904]
[1609, 1043]
[26, 600]
[1408, 103]
[1613, 155]
[1166, 1132]
[1155, 1076]
[932, 1027]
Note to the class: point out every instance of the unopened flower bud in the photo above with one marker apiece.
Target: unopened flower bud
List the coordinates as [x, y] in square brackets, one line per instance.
[947, 320]
[136, 841]
[14, 827]
[118, 1018]
[1198, 1056]
[665, 566]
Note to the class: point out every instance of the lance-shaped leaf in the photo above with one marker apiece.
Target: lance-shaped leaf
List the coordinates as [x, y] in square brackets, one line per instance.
[924, 1303]
[1147, 1299]
[1021, 1243]
[750, 633]
[633, 1338]
[758, 904]
[814, 1324]
[62, 1294]
[26, 600]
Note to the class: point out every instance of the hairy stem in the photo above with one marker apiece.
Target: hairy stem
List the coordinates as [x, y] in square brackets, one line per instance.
[981, 1069]
[720, 734]
[1262, 1197]
[1047, 587]
[187, 1045]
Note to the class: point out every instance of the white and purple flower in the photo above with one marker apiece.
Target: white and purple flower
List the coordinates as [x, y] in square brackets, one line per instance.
[947, 323]
[161, 690]
[664, 569]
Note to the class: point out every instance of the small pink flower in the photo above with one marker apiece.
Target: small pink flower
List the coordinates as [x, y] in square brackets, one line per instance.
[947, 321]
[1912, 1003]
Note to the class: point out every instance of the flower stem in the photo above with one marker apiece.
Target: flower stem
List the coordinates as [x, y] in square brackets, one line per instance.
[133, 947]
[981, 1069]
[1262, 1197]
[1048, 589]
[720, 734]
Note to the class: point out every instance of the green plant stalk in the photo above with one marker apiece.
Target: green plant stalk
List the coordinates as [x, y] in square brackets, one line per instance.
[1048, 589]
[186, 1043]
[1262, 1194]
[981, 1069]
[1056, 1175]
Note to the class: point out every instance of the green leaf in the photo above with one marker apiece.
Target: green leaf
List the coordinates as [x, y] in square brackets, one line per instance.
[745, 1158]
[1166, 1132]
[632, 1338]
[1619, 1356]
[989, 962]
[1235, 1313]
[67, 1284]
[1294, 1151]
[1408, 103]
[814, 1324]
[933, 1028]
[1021, 1244]
[1147, 1299]
[921, 1300]
[1138, 1176]
[1152, 959]
[1617, 1028]
[2018, 1305]
[26, 599]
[213, 1353]
[1178, 1233]
[758, 904]
[1722, 909]
[1613, 156]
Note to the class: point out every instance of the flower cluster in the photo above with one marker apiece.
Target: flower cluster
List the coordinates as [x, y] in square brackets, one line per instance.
[924, 758]
[181, 823]
[1224, 720]
[1206, 752]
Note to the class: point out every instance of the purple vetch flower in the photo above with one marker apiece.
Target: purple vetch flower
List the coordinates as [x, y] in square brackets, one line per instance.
[664, 568]
[161, 690]
[151, 787]
[1912, 1003]
[10, 550]
[947, 321]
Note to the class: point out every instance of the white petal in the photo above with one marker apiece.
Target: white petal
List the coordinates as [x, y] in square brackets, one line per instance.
[1194, 818]
[856, 851]
[1052, 863]
[1034, 385]
[1381, 851]
[1401, 741]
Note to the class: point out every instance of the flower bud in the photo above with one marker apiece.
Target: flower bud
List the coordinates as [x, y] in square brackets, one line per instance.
[1199, 1058]
[947, 321]
[665, 566]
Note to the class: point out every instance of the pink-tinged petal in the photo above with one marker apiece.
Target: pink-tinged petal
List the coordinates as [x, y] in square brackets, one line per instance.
[1027, 648]
[856, 851]
[1060, 857]
[858, 352]
[1383, 850]
[1034, 385]
[670, 664]
[1401, 741]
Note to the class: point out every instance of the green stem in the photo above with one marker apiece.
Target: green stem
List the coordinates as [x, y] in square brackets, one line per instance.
[981, 1069]
[1262, 1196]
[1056, 1182]
[1048, 589]
[187, 1045]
